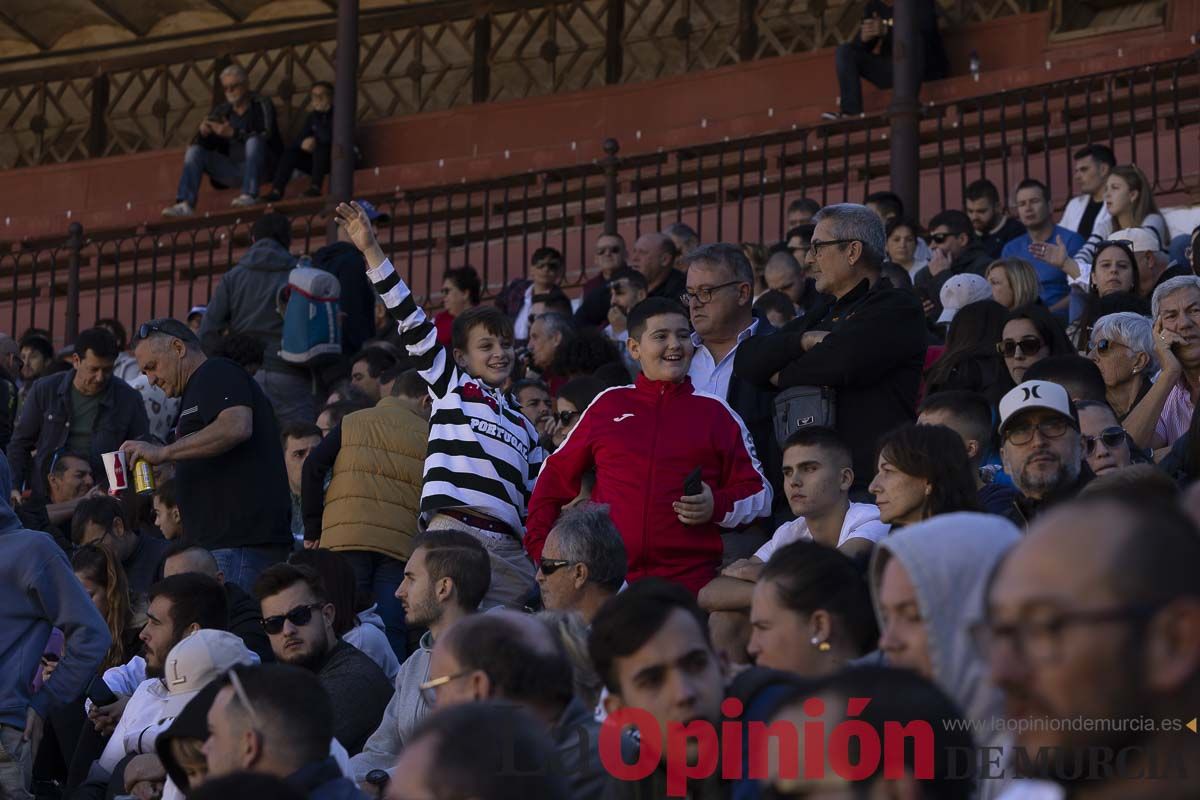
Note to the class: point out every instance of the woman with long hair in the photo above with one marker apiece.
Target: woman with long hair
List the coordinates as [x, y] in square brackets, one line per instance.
[461, 290]
[923, 471]
[1129, 198]
[811, 611]
[103, 578]
[1030, 334]
[970, 360]
[1014, 282]
[1114, 279]
[355, 622]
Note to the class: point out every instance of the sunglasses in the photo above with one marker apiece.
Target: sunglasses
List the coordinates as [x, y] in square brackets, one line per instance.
[564, 417]
[1112, 438]
[1104, 345]
[607, 251]
[1028, 346]
[549, 566]
[298, 616]
[939, 238]
[1053, 428]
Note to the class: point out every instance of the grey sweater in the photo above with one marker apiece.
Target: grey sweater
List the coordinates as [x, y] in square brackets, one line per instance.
[403, 713]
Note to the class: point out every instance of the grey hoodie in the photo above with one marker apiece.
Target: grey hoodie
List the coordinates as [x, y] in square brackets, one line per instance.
[403, 712]
[245, 301]
[39, 591]
[950, 559]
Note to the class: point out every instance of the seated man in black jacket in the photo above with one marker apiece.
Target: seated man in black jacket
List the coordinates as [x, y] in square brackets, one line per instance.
[310, 151]
[868, 345]
[955, 251]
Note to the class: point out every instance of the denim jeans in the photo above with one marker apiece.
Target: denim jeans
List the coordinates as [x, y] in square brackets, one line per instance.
[379, 576]
[513, 584]
[244, 164]
[243, 565]
[16, 764]
[291, 395]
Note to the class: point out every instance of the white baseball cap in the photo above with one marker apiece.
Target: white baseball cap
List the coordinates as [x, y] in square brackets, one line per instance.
[198, 660]
[962, 290]
[1036, 394]
[1141, 240]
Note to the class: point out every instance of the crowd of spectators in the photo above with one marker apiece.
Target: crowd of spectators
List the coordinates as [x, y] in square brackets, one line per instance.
[946, 468]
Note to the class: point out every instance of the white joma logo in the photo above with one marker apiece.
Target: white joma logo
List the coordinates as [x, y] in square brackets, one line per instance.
[622, 418]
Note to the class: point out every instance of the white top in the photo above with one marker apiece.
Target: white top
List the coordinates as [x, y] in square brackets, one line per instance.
[861, 522]
[1073, 214]
[521, 323]
[144, 711]
[707, 375]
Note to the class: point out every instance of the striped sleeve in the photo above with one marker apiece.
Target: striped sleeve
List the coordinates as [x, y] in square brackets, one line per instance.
[417, 331]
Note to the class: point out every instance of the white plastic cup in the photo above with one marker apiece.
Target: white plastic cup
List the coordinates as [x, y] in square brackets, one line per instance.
[118, 471]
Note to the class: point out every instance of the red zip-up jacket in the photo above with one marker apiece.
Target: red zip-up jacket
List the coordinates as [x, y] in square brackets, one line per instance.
[643, 441]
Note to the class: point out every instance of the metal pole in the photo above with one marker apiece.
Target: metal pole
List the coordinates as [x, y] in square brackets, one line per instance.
[905, 111]
[74, 245]
[345, 110]
[610, 163]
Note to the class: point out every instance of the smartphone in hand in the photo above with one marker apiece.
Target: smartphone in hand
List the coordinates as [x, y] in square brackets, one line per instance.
[692, 484]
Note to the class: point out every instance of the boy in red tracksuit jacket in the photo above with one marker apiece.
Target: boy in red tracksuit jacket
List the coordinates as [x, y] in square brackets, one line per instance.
[643, 441]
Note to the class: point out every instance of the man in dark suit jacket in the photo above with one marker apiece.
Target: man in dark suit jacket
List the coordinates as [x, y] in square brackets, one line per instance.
[720, 297]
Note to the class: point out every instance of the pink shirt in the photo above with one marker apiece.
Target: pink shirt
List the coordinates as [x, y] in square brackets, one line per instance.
[1176, 415]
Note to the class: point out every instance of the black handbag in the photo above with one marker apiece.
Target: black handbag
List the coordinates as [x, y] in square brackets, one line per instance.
[804, 406]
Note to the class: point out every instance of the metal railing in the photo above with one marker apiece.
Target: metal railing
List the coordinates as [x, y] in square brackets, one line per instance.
[733, 190]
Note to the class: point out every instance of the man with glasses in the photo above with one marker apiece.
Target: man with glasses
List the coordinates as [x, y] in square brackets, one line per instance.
[1041, 448]
[516, 300]
[956, 251]
[1095, 615]
[229, 468]
[445, 580]
[298, 619]
[866, 342]
[610, 260]
[720, 300]
[516, 658]
[101, 521]
[276, 720]
[236, 144]
[583, 562]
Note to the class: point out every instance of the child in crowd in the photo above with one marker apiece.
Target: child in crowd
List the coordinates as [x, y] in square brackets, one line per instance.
[644, 442]
[483, 453]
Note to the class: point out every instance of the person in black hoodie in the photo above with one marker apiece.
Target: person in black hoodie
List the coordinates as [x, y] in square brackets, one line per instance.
[955, 251]
[244, 614]
[310, 150]
[868, 344]
[179, 745]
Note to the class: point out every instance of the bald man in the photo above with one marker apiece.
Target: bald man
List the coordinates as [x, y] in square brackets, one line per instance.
[244, 613]
[515, 657]
[654, 255]
[1095, 614]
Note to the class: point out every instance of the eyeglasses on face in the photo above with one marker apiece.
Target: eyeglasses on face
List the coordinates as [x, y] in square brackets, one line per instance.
[298, 616]
[1050, 428]
[1027, 345]
[704, 295]
[940, 238]
[816, 244]
[1041, 641]
[549, 566]
[608, 251]
[564, 417]
[1111, 437]
[430, 688]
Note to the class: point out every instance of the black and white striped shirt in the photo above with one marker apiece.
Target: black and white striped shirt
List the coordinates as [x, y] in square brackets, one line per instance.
[483, 453]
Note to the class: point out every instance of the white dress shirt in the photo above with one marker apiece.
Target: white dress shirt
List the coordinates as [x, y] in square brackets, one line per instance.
[709, 376]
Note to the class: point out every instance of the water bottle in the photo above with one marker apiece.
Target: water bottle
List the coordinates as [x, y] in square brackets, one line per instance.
[304, 262]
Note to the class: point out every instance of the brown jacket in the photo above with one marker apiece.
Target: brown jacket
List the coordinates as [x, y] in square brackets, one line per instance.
[374, 497]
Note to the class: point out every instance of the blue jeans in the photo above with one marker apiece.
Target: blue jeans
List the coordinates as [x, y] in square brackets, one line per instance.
[244, 164]
[243, 565]
[290, 393]
[379, 576]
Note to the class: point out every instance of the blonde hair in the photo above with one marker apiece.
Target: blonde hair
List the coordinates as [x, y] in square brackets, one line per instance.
[1022, 277]
[1144, 205]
